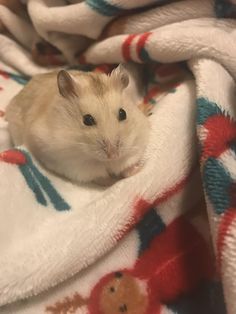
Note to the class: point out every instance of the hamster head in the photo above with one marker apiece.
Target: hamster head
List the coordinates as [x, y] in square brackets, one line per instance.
[98, 120]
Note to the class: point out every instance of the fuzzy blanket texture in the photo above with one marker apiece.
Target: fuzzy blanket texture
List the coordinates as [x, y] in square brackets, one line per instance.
[164, 240]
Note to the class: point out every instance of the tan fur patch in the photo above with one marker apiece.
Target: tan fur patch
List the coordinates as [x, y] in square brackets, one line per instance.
[97, 84]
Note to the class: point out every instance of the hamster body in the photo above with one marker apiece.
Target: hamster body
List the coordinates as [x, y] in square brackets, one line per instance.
[80, 125]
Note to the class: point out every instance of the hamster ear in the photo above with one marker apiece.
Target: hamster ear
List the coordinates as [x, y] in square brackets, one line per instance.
[66, 84]
[121, 74]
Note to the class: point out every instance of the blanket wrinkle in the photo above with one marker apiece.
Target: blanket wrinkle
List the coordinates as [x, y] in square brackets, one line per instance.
[163, 240]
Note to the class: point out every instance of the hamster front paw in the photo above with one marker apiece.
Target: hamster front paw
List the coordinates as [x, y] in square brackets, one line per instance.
[108, 181]
[132, 170]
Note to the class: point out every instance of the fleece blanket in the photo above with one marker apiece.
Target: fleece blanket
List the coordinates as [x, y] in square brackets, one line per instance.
[164, 240]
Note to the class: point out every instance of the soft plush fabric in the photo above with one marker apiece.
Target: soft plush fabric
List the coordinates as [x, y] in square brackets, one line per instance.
[164, 240]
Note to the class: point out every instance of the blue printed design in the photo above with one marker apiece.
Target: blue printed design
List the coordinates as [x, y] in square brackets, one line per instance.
[217, 180]
[152, 101]
[40, 185]
[23, 80]
[144, 56]
[33, 184]
[225, 8]
[172, 91]
[105, 8]
[150, 226]
[206, 109]
[217, 183]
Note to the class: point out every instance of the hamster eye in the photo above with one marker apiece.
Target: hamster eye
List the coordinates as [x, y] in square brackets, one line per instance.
[88, 120]
[122, 114]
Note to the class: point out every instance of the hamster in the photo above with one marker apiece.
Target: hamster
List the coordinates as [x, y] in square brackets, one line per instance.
[80, 125]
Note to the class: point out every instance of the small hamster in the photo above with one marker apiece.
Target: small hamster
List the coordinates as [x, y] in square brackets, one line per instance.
[80, 125]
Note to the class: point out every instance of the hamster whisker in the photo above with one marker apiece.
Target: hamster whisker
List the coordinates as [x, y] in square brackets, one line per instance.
[130, 148]
[102, 144]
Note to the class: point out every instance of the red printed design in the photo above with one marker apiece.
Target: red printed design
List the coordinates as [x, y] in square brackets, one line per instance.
[126, 47]
[174, 264]
[141, 43]
[221, 133]
[158, 90]
[4, 75]
[13, 157]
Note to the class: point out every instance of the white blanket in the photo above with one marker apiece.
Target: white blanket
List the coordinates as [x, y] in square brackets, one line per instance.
[91, 238]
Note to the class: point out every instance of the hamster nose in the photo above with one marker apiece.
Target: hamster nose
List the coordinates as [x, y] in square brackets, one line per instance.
[111, 150]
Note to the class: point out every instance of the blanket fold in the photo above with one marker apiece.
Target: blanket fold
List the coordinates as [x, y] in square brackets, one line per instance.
[162, 241]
